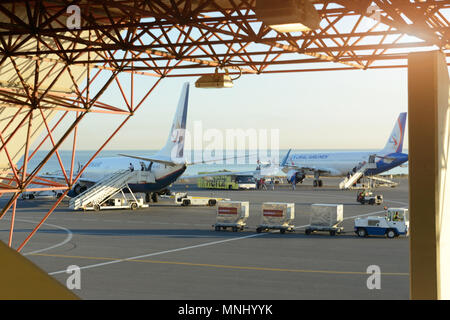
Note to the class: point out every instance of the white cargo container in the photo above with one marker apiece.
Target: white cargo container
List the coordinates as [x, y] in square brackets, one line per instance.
[232, 214]
[326, 217]
[277, 215]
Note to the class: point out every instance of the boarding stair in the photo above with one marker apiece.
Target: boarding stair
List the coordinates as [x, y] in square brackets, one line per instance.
[381, 182]
[348, 182]
[109, 186]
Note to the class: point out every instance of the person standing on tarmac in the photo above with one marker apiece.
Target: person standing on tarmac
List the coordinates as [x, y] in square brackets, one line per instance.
[263, 184]
[272, 182]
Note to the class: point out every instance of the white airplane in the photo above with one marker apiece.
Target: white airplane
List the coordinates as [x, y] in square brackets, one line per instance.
[265, 170]
[297, 166]
[167, 165]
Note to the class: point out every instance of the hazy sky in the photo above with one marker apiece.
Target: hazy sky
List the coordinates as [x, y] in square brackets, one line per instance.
[315, 110]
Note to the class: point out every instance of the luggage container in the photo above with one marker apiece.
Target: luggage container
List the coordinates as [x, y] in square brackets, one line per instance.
[278, 216]
[232, 214]
[326, 217]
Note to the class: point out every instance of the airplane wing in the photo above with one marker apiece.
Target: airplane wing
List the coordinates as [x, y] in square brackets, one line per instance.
[62, 178]
[385, 158]
[168, 161]
[309, 170]
[158, 159]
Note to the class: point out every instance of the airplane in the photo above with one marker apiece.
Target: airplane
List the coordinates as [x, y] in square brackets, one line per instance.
[297, 166]
[167, 165]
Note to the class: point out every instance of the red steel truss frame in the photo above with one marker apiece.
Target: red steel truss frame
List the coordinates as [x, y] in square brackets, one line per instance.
[175, 38]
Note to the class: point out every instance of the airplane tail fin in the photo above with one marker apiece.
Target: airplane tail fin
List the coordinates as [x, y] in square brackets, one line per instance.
[285, 159]
[173, 151]
[395, 141]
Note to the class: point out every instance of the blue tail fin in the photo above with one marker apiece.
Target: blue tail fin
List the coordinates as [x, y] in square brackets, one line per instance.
[174, 147]
[395, 141]
[286, 157]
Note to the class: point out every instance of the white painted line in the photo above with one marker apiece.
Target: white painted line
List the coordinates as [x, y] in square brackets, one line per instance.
[68, 237]
[160, 253]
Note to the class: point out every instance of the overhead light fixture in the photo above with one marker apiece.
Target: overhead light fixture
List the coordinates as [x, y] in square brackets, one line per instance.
[215, 81]
[288, 15]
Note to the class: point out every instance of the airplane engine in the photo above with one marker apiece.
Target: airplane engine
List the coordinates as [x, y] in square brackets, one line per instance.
[79, 189]
[298, 176]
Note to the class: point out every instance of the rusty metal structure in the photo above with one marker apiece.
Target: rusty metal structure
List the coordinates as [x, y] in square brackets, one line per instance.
[58, 58]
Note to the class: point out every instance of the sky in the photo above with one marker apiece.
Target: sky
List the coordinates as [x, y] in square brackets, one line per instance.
[311, 110]
[341, 110]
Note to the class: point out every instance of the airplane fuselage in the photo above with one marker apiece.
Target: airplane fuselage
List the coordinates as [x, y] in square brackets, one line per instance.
[340, 163]
[164, 174]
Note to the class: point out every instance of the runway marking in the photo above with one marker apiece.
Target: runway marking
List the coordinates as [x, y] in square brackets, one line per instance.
[68, 237]
[223, 266]
[161, 252]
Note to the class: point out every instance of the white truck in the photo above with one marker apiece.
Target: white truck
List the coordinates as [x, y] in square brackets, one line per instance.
[183, 199]
[120, 202]
[393, 224]
[30, 195]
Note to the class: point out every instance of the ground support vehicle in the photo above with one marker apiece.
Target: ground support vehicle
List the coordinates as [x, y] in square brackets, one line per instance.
[183, 199]
[367, 197]
[393, 224]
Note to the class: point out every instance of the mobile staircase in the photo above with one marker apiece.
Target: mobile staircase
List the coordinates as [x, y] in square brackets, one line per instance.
[108, 187]
[381, 182]
[348, 182]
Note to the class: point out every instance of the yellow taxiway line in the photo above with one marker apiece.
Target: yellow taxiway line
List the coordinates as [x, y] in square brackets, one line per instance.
[219, 266]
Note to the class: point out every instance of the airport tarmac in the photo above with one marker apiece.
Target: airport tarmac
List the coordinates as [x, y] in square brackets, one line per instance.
[172, 252]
